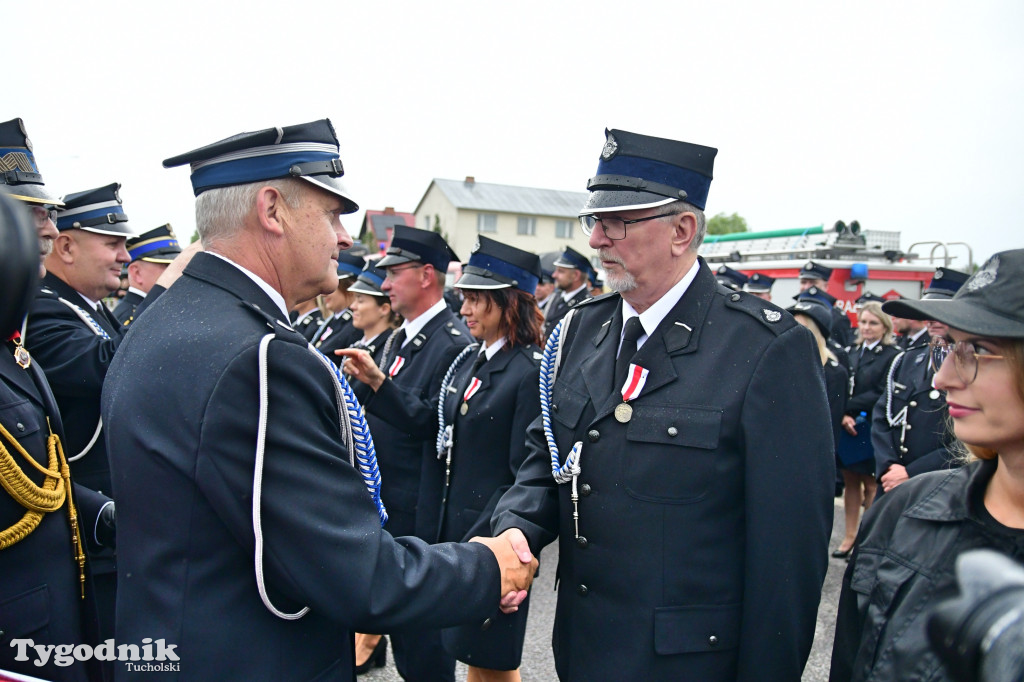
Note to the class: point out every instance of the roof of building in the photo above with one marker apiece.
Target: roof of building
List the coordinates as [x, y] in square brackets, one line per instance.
[486, 196]
[380, 221]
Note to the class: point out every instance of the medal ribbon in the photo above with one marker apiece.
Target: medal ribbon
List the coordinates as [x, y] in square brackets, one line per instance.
[474, 386]
[636, 377]
[396, 366]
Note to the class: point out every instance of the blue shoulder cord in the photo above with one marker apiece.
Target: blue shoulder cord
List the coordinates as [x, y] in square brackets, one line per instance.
[446, 432]
[548, 368]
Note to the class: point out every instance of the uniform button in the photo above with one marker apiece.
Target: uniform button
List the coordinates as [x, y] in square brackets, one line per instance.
[555, 408]
[485, 625]
[902, 449]
[673, 431]
[735, 297]
[712, 640]
[21, 427]
[581, 590]
[585, 489]
[594, 435]
[908, 427]
[913, 403]
[582, 542]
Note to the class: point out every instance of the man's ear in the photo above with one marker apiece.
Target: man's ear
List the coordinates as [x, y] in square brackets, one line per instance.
[271, 210]
[65, 248]
[684, 229]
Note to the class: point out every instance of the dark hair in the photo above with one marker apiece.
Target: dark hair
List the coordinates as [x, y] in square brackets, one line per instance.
[394, 318]
[521, 320]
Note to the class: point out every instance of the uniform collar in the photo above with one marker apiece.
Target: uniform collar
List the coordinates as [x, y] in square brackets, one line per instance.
[415, 326]
[569, 295]
[652, 317]
[270, 291]
[492, 350]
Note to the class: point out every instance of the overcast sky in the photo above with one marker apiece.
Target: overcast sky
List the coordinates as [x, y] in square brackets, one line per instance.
[906, 116]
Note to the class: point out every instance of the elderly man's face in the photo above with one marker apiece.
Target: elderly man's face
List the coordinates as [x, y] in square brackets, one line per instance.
[46, 229]
[639, 259]
[315, 237]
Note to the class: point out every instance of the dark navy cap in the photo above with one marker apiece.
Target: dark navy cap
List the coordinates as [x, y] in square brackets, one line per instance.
[990, 303]
[733, 279]
[159, 245]
[945, 283]
[546, 276]
[639, 171]
[18, 168]
[816, 309]
[309, 151]
[349, 266]
[868, 296]
[571, 258]
[494, 265]
[818, 293]
[812, 270]
[370, 281]
[95, 210]
[758, 283]
[411, 244]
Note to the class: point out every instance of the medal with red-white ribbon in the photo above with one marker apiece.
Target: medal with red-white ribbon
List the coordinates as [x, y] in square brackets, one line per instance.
[636, 377]
[21, 355]
[396, 366]
[474, 386]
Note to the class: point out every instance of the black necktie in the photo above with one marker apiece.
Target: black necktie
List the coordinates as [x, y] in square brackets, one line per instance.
[397, 339]
[633, 331]
[481, 358]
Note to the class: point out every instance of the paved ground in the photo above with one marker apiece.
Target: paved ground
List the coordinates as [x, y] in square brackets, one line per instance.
[538, 664]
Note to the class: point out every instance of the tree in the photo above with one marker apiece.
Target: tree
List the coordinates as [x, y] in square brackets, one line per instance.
[194, 239]
[727, 224]
[437, 227]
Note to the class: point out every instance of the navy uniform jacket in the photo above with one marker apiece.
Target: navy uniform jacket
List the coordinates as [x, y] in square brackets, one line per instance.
[837, 383]
[75, 360]
[337, 331]
[842, 332]
[183, 445]
[40, 589]
[308, 324]
[403, 421]
[867, 377]
[558, 307]
[692, 563]
[124, 311]
[921, 446]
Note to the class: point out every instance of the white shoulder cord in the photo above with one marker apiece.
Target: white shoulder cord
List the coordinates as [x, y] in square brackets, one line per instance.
[901, 416]
[99, 331]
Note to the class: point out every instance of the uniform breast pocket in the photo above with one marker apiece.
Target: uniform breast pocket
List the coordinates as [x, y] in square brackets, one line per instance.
[20, 419]
[670, 452]
[567, 406]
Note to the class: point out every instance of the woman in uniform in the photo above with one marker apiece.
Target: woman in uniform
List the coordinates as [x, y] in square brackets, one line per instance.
[488, 399]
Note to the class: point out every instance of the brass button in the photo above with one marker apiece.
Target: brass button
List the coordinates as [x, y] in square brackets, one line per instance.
[594, 435]
[673, 431]
[585, 489]
[581, 590]
[582, 542]
[712, 640]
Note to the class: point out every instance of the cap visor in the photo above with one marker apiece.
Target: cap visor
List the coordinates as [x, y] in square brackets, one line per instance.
[966, 316]
[391, 260]
[334, 186]
[473, 281]
[604, 200]
[115, 229]
[361, 287]
[33, 194]
[161, 260]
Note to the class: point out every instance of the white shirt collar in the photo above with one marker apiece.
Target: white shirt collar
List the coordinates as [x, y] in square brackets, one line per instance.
[492, 350]
[567, 296]
[415, 326]
[920, 332]
[652, 317]
[140, 292]
[270, 291]
[870, 346]
[91, 303]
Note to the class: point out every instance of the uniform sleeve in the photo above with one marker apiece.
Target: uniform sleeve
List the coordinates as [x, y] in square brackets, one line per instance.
[74, 358]
[323, 544]
[789, 481]
[882, 440]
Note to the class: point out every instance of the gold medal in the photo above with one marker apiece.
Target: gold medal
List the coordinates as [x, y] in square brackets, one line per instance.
[623, 413]
[465, 408]
[22, 357]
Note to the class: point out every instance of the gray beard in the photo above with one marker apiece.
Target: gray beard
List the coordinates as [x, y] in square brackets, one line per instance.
[621, 283]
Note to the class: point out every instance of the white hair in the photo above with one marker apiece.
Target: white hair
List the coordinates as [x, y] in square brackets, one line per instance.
[702, 227]
[220, 212]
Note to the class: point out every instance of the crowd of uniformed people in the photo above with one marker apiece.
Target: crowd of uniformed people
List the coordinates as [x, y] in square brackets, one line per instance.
[280, 456]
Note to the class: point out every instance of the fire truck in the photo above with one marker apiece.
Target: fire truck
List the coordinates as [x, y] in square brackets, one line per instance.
[861, 260]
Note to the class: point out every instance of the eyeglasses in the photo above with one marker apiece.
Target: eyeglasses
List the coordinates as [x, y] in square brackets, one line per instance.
[44, 215]
[965, 357]
[614, 228]
[398, 268]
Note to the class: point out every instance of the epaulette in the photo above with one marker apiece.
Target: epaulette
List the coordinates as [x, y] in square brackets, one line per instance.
[451, 329]
[47, 291]
[768, 314]
[346, 315]
[282, 330]
[595, 299]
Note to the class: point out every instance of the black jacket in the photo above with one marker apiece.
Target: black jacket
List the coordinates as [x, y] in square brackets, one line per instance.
[183, 448]
[308, 324]
[558, 307]
[124, 311]
[690, 565]
[903, 564]
[868, 373]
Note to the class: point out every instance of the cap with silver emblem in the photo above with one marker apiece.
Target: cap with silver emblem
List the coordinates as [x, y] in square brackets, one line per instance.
[96, 210]
[494, 265]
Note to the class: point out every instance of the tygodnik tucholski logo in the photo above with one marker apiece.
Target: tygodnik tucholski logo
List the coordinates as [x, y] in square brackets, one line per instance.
[150, 656]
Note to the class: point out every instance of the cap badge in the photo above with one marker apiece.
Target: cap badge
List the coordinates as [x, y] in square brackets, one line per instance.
[476, 246]
[985, 276]
[772, 315]
[611, 147]
[937, 275]
[18, 161]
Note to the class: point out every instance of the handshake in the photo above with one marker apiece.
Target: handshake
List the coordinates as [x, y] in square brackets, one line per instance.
[516, 563]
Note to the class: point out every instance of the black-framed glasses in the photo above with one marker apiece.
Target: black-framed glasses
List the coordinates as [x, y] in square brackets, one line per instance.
[614, 228]
[965, 357]
[43, 215]
[398, 268]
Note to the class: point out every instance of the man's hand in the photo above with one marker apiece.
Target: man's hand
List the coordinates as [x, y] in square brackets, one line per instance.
[177, 266]
[359, 364]
[850, 424]
[893, 476]
[517, 566]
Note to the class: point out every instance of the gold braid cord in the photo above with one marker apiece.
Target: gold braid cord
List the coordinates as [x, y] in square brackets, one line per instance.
[39, 500]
